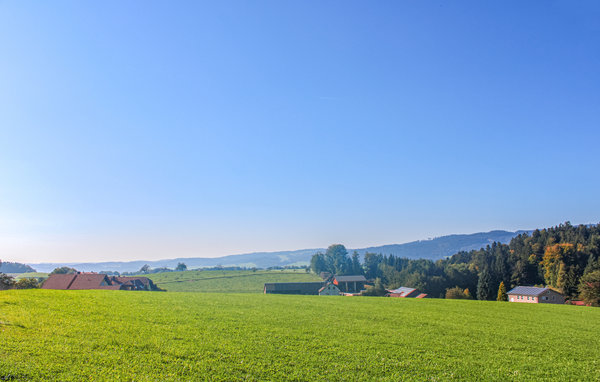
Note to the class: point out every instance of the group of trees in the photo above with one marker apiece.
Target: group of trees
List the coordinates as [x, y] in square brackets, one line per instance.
[145, 269]
[8, 282]
[565, 258]
[336, 261]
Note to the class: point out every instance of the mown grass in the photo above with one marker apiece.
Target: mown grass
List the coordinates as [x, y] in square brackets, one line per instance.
[227, 281]
[145, 336]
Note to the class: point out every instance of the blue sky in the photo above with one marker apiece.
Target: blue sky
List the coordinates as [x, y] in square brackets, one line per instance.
[147, 130]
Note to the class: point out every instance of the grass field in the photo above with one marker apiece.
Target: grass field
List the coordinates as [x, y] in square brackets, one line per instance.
[36, 275]
[227, 281]
[119, 335]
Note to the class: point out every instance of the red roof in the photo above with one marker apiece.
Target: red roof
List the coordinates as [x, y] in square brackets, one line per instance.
[61, 281]
[578, 303]
[89, 281]
[96, 281]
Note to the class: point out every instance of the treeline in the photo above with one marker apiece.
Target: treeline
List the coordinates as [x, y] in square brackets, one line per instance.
[566, 258]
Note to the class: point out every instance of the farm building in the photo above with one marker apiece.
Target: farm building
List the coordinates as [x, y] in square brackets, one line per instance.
[329, 290]
[535, 295]
[405, 292]
[89, 280]
[294, 288]
[350, 284]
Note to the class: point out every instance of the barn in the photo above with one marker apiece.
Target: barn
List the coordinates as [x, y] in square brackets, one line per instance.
[350, 284]
[294, 288]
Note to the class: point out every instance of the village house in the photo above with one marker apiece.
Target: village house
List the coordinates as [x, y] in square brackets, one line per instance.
[91, 280]
[329, 290]
[405, 292]
[350, 284]
[535, 295]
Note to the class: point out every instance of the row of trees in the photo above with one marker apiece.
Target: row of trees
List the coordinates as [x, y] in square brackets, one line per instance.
[565, 258]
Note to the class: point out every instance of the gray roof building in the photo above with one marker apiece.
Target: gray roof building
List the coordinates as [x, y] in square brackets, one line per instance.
[294, 288]
[527, 290]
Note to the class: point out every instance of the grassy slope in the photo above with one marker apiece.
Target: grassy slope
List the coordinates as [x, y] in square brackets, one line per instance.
[226, 281]
[19, 276]
[118, 335]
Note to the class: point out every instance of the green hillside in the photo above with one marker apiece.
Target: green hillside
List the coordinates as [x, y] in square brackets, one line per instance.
[37, 275]
[118, 335]
[227, 281]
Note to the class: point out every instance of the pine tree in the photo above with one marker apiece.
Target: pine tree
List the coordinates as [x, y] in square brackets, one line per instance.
[484, 285]
[502, 296]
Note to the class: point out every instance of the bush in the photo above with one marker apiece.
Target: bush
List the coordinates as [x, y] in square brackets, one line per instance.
[458, 293]
[27, 283]
[63, 270]
[589, 288]
[6, 282]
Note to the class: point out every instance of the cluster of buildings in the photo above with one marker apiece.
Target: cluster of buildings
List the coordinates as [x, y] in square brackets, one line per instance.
[331, 286]
[92, 280]
[334, 285]
[354, 285]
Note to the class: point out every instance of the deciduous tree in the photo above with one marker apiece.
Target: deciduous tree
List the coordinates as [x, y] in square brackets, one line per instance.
[502, 296]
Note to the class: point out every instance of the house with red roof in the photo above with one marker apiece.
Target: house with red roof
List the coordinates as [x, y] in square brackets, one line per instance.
[405, 292]
[91, 280]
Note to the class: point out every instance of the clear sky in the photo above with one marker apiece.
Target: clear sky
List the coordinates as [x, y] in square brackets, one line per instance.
[161, 129]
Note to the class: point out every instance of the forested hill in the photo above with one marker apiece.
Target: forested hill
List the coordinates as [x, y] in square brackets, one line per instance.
[6, 267]
[434, 249]
[565, 258]
[444, 246]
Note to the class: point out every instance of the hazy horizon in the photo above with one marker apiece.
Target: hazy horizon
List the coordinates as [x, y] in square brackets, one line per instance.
[158, 256]
[147, 130]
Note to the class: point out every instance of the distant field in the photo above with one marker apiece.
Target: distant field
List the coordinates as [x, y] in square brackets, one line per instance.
[119, 335]
[226, 281]
[18, 276]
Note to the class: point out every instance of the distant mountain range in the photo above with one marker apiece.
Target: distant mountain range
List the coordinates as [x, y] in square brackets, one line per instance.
[432, 249]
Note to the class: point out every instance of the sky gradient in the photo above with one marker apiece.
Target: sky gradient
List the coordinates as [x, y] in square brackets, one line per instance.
[148, 130]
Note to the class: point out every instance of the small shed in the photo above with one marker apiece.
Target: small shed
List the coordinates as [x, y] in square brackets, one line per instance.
[329, 290]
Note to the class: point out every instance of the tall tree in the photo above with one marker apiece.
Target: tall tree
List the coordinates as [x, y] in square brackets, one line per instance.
[485, 289]
[318, 264]
[337, 256]
[502, 296]
[356, 267]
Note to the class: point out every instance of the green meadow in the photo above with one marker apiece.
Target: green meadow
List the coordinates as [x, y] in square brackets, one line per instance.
[227, 281]
[154, 336]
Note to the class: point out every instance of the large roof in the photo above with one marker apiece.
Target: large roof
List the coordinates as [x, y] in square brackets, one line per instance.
[59, 281]
[89, 281]
[349, 279]
[294, 288]
[402, 290]
[97, 281]
[527, 290]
